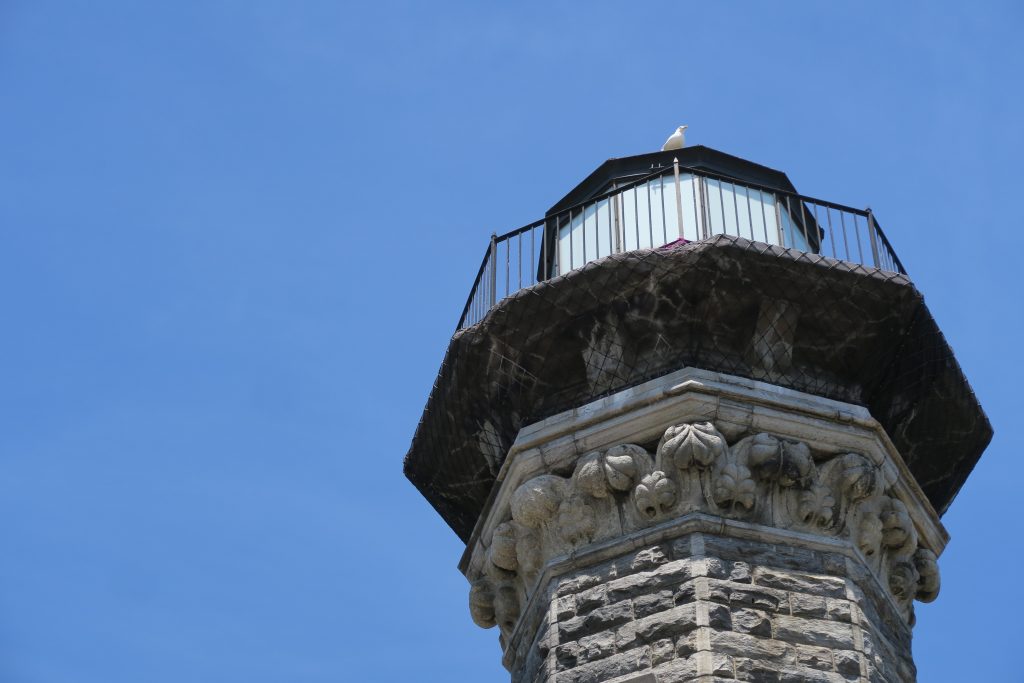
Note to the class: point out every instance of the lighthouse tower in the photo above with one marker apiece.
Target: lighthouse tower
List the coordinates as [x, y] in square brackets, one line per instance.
[696, 426]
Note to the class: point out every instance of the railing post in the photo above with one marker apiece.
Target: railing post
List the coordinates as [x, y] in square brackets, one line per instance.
[778, 222]
[698, 204]
[679, 196]
[872, 237]
[494, 268]
[701, 206]
[617, 244]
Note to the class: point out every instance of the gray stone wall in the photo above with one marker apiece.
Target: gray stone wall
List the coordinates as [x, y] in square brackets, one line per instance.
[710, 608]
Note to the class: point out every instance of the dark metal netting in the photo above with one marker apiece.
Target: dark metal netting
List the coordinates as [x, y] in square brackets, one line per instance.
[799, 320]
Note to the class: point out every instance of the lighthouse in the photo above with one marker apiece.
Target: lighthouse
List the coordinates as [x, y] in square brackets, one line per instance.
[693, 425]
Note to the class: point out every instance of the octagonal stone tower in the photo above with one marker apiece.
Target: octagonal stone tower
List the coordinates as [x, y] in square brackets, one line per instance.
[695, 426]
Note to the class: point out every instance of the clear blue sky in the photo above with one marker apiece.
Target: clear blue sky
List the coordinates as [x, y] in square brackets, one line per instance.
[236, 237]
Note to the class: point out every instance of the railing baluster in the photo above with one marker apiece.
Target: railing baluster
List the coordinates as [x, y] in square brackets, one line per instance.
[696, 219]
[846, 243]
[750, 211]
[871, 236]
[764, 217]
[572, 239]
[636, 218]
[679, 198]
[831, 237]
[610, 242]
[494, 269]
[583, 228]
[595, 226]
[619, 236]
[706, 207]
[544, 273]
[650, 216]
[856, 234]
[693, 193]
[596, 252]
[721, 206]
[533, 254]
[736, 212]
[583, 239]
[803, 224]
[777, 205]
[558, 250]
[665, 218]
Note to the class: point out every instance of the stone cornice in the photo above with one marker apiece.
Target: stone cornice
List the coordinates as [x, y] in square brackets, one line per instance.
[737, 406]
[699, 445]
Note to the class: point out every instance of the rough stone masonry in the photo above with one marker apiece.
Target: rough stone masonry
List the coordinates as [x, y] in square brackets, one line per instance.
[703, 527]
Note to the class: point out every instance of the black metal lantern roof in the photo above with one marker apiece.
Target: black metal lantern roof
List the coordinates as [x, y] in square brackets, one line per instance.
[698, 158]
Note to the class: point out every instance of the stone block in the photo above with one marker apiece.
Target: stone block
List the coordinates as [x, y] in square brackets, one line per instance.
[607, 668]
[590, 599]
[761, 671]
[648, 558]
[719, 617]
[662, 651]
[847, 662]
[813, 657]
[685, 594]
[838, 610]
[686, 645]
[803, 605]
[597, 646]
[676, 572]
[672, 573]
[743, 645]
[734, 594]
[580, 581]
[737, 571]
[757, 553]
[675, 622]
[799, 582]
[600, 619]
[682, 547]
[567, 656]
[753, 622]
[629, 587]
[721, 665]
[832, 634]
[646, 605]
[678, 670]
[565, 607]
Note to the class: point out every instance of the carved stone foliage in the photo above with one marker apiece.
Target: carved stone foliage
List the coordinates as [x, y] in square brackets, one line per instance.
[761, 479]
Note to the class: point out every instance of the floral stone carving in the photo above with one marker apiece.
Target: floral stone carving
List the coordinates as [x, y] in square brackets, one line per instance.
[761, 479]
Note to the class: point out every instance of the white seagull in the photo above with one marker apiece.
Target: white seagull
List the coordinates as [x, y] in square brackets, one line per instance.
[677, 140]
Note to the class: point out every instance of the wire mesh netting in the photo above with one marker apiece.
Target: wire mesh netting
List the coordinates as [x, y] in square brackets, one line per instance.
[727, 304]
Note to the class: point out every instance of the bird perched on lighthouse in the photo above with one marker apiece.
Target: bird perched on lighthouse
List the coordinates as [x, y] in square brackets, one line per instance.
[677, 140]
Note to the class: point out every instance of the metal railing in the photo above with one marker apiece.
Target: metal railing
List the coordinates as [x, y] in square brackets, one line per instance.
[672, 204]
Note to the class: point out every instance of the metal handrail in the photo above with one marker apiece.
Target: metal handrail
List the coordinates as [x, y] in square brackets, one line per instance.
[484, 292]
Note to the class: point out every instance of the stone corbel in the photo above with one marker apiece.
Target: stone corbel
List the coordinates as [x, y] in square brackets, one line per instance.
[762, 479]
